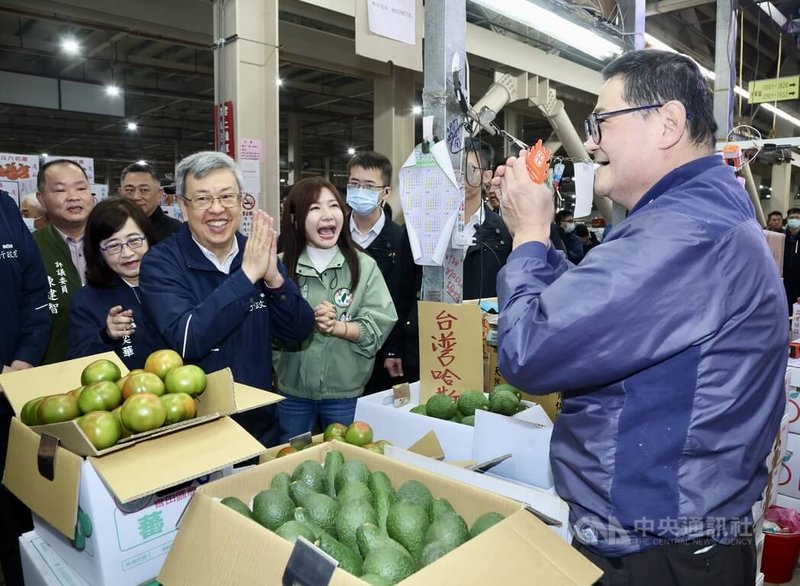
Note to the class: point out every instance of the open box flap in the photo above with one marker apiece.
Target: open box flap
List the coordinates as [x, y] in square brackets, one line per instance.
[248, 397]
[56, 500]
[170, 460]
[21, 386]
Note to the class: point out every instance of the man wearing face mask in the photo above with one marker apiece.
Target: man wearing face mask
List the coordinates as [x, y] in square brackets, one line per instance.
[791, 257]
[33, 214]
[368, 187]
[566, 229]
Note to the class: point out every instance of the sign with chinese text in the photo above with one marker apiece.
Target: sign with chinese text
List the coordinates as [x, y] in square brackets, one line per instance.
[223, 129]
[774, 90]
[451, 348]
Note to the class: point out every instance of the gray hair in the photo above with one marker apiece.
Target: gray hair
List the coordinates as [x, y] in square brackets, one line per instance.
[201, 164]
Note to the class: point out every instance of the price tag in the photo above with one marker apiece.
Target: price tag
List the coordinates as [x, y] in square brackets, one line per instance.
[538, 162]
[308, 566]
[401, 394]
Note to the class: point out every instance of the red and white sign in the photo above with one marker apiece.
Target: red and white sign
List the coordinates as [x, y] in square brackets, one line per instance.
[223, 129]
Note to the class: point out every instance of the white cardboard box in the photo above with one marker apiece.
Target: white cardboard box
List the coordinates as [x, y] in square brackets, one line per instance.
[789, 481]
[526, 435]
[41, 566]
[126, 544]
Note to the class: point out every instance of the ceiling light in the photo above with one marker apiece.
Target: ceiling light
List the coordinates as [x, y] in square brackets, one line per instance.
[555, 26]
[132, 126]
[656, 44]
[141, 162]
[70, 46]
[112, 90]
[416, 110]
[279, 82]
[44, 155]
[283, 180]
[351, 151]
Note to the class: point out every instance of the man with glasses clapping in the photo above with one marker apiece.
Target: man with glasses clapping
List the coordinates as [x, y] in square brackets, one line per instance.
[217, 297]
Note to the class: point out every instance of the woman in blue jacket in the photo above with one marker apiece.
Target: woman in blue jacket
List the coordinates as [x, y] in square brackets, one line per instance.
[107, 313]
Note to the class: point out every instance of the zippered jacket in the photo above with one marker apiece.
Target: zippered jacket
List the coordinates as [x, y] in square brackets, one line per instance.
[87, 324]
[23, 291]
[669, 343]
[324, 366]
[216, 320]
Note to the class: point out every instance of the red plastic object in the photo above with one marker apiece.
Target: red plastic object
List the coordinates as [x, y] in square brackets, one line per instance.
[538, 162]
[781, 551]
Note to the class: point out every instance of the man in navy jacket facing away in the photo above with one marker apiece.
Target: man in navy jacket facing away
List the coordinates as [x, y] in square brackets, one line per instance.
[23, 339]
[669, 412]
[217, 297]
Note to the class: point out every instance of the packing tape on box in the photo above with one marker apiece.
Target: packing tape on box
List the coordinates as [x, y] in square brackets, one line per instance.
[46, 456]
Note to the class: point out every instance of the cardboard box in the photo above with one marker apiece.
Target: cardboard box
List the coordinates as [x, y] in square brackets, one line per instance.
[216, 545]
[551, 403]
[525, 435]
[272, 453]
[543, 501]
[101, 486]
[789, 481]
[41, 566]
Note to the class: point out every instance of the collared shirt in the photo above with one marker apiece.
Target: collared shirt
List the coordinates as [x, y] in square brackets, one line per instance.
[225, 265]
[471, 225]
[364, 240]
[75, 246]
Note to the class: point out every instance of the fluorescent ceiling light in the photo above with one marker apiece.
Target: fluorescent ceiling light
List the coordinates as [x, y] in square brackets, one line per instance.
[112, 90]
[44, 155]
[132, 126]
[351, 151]
[279, 82]
[141, 162]
[554, 26]
[70, 46]
[416, 110]
[655, 43]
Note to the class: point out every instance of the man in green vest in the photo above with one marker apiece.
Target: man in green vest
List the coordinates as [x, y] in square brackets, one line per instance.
[64, 192]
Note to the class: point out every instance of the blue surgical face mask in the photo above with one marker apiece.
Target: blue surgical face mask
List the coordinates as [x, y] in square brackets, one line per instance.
[361, 200]
[793, 223]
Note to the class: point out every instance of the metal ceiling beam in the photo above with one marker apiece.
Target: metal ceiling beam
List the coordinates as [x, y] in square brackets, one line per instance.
[665, 6]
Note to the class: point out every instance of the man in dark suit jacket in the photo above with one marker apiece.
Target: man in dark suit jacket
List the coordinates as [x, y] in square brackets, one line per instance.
[139, 183]
[371, 227]
[491, 242]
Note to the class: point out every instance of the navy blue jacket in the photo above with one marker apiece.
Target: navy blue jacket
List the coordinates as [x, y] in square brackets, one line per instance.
[25, 330]
[669, 345]
[216, 320]
[88, 311]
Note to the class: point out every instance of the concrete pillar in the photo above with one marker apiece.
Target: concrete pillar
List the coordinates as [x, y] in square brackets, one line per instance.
[393, 129]
[246, 73]
[513, 125]
[295, 149]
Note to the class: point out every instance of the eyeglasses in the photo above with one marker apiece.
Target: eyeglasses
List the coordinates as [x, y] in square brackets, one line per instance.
[204, 202]
[592, 124]
[116, 247]
[367, 186]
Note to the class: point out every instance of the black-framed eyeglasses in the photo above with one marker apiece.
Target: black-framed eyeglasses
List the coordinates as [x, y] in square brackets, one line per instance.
[116, 247]
[204, 202]
[592, 124]
[367, 186]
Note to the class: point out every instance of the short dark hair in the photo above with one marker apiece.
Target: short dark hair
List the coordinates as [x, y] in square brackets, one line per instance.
[41, 179]
[372, 160]
[561, 214]
[482, 150]
[108, 217]
[791, 211]
[775, 213]
[581, 230]
[139, 168]
[652, 76]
